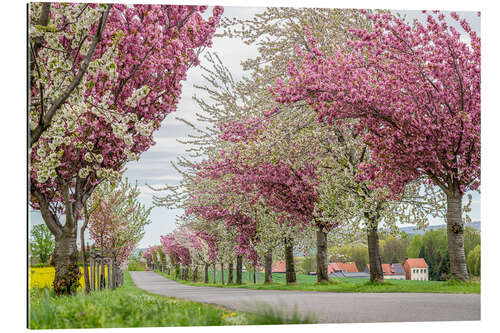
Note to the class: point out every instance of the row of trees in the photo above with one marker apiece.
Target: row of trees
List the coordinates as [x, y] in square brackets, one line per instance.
[102, 77]
[371, 121]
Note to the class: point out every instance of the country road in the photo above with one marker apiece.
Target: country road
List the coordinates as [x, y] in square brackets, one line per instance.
[324, 307]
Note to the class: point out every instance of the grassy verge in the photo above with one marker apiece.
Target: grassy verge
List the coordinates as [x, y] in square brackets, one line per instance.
[356, 285]
[129, 306]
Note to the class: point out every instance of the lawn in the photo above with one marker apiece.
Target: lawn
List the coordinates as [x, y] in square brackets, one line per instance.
[129, 306]
[361, 285]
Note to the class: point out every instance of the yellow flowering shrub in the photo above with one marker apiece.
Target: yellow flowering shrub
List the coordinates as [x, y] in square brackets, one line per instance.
[42, 277]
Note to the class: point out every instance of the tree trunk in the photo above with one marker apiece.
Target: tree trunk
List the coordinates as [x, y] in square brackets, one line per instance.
[376, 272]
[215, 274]
[239, 269]
[268, 268]
[230, 273]
[65, 255]
[206, 274]
[65, 260]
[321, 255]
[455, 233]
[222, 272]
[290, 265]
[195, 274]
[249, 273]
[254, 274]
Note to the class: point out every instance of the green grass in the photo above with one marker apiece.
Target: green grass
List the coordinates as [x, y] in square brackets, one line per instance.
[360, 285]
[129, 306]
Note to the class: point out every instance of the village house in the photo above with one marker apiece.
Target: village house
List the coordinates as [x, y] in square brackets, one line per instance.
[345, 269]
[279, 267]
[416, 269]
[391, 271]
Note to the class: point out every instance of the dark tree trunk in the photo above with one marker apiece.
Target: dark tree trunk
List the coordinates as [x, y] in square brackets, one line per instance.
[455, 233]
[249, 273]
[376, 272]
[195, 274]
[222, 272]
[230, 273]
[215, 274]
[254, 274]
[290, 265]
[268, 267]
[65, 260]
[206, 273]
[239, 269]
[65, 255]
[321, 255]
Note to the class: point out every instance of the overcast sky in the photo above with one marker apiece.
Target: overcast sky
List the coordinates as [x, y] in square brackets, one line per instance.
[154, 166]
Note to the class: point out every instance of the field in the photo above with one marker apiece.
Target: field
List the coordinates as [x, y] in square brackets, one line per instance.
[43, 277]
[129, 306]
[309, 283]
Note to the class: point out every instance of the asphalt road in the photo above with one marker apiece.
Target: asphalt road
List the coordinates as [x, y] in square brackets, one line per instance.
[324, 307]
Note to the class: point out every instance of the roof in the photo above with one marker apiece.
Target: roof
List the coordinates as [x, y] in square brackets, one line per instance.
[279, 267]
[333, 267]
[398, 269]
[416, 263]
[388, 269]
[345, 266]
[336, 274]
[357, 274]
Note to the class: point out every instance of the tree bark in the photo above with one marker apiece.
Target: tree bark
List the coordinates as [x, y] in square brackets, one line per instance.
[222, 272]
[254, 274]
[376, 272]
[230, 273]
[206, 274]
[215, 274]
[290, 265]
[268, 268]
[455, 233]
[65, 260]
[321, 255]
[195, 274]
[239, 269]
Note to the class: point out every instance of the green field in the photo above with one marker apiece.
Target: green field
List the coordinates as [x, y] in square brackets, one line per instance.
[362, 285]
[129, 306]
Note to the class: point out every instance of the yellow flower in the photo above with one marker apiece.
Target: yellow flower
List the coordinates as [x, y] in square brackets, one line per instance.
[42, 277]
[224, 316]
[233, 314]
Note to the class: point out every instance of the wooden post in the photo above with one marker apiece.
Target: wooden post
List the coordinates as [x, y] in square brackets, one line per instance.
[92, 268]
[96, 273]
[108, 264]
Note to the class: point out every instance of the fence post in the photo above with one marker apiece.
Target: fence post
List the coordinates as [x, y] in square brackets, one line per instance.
[92, 268]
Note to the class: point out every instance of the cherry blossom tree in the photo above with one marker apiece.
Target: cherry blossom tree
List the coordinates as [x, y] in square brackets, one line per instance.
[416, 92]
[107, 115]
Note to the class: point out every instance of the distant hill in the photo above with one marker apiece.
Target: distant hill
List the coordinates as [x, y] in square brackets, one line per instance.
[412, 231]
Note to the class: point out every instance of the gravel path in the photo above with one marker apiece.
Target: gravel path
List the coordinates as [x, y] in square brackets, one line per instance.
[324, 307]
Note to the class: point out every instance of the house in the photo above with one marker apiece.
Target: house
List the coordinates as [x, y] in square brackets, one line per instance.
[349, 267]
[391, 271]
[343, 269]
[416, 269]
[278, 267]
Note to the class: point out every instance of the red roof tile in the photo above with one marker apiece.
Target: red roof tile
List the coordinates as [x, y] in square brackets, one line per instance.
[346, 266]
[333, 267]
[416, 263]
[279, 267]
